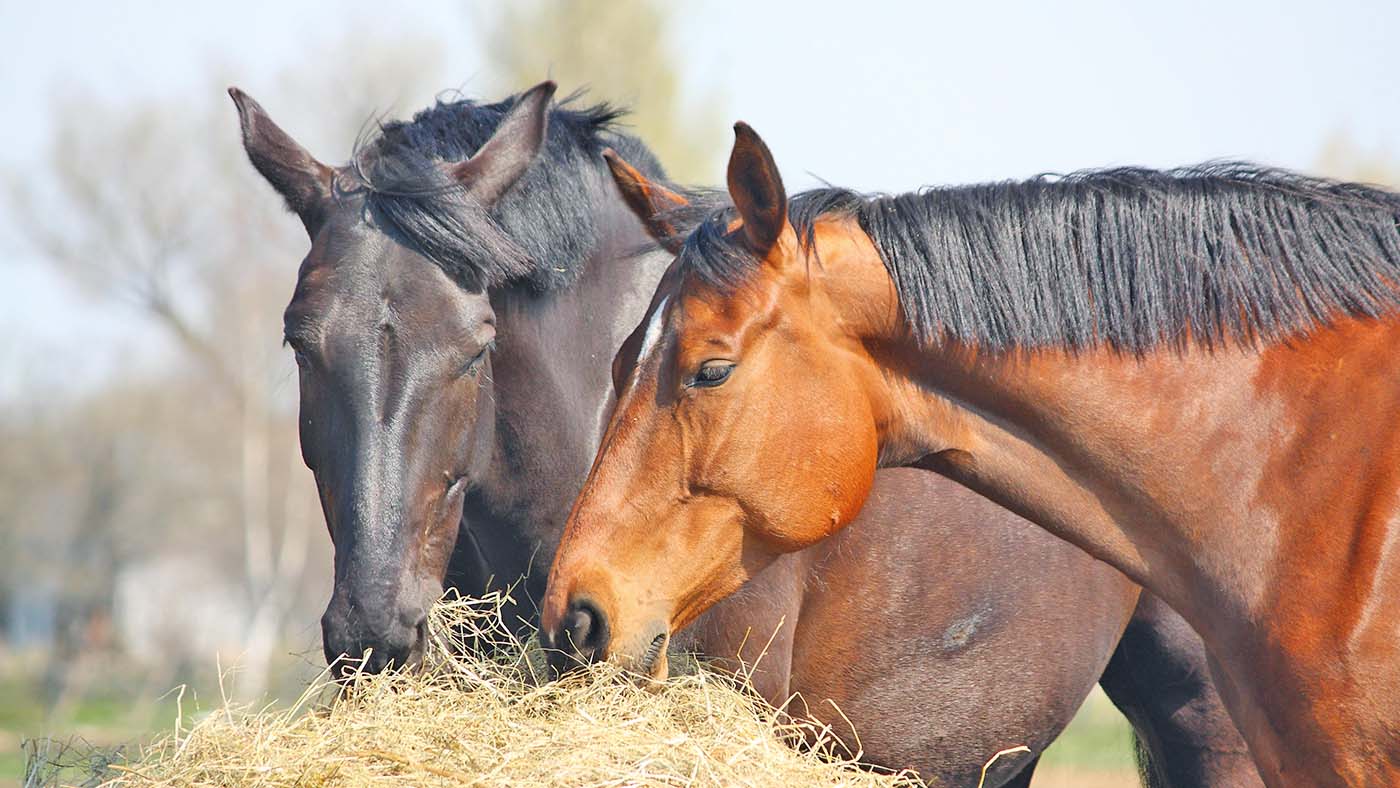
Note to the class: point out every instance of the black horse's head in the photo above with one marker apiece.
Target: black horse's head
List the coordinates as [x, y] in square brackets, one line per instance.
[392, 330]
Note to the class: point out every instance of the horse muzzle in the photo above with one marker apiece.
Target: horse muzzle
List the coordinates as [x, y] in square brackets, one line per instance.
[358, 639]
[584, 635]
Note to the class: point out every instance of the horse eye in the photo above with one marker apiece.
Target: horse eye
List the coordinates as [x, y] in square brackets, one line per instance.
[299, 355]
[712, 373]
[474, 365]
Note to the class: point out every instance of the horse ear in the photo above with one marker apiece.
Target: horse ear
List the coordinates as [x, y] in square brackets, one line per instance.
[649, 200]
[499, 163]
[296, 175]
[757, 189]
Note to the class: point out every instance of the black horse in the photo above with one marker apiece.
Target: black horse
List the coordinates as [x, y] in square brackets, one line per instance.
[471, 275]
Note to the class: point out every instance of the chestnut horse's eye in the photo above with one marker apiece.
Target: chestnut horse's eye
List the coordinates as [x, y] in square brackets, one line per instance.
[712, 373]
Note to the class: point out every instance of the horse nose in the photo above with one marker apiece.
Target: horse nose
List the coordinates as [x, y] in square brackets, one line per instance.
[582, 635]
[393, 651]
[351, 646]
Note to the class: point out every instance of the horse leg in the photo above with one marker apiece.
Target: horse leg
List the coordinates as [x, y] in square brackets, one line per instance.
[1158, 677]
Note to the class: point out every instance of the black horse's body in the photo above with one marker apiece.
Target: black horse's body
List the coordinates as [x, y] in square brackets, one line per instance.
[454, 384]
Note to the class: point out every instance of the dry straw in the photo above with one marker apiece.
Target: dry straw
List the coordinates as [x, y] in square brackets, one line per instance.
[467, 719]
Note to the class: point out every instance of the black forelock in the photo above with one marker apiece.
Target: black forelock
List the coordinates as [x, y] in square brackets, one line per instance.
[542, 230]
[1128, 258]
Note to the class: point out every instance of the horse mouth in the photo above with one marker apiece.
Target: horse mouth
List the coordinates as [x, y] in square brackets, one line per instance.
[651, 658]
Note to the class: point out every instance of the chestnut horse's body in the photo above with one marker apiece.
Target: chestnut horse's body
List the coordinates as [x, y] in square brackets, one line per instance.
[432, 402]
[1192, 376]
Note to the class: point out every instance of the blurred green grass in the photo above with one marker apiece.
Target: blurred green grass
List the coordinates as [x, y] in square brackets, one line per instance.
[104, 717]
[1095, 751]
[113, 706]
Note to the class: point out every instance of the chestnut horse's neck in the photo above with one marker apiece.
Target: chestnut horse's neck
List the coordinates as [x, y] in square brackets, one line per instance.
[1256, 490]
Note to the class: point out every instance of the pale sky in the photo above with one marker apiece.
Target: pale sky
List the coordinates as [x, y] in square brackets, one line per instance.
[872, 95]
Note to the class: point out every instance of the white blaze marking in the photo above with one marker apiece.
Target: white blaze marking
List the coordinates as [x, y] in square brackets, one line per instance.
[652, 337]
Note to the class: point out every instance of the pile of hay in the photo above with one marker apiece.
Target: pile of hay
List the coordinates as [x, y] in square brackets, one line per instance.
[472, 720]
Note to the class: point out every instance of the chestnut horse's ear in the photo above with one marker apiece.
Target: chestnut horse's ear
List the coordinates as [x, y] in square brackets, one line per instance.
[500, 162]
[296, 175]
[757, 189]
[649, 200]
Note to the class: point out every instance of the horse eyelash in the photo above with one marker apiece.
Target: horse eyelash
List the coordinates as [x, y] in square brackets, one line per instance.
[474, 365]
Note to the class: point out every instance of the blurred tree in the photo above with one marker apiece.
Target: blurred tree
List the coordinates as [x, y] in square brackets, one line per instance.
[154, 205]
[1342, 157]
[620, 51]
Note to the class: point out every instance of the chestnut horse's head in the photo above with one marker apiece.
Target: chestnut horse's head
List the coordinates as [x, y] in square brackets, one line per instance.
[393, 353]
[744, 427]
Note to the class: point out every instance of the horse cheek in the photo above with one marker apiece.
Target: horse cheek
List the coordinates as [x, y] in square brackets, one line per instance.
[846, 474]
[853, 485]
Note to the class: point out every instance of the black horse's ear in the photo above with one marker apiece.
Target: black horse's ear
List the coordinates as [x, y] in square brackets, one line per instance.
[757, 189]
[499, 163]
[296, 175]
[649, 200]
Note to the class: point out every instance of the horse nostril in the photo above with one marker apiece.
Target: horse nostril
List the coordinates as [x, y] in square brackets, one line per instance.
[578, 626]
[585, 629]
[580, 638]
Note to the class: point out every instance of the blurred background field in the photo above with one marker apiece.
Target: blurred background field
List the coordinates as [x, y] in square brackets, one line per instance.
[154, 511]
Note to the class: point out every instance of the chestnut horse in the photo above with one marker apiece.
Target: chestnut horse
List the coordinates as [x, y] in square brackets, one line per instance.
[470, 274]
[1192, 375]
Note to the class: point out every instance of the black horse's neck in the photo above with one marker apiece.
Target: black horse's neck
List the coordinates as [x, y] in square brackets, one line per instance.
[550, 385]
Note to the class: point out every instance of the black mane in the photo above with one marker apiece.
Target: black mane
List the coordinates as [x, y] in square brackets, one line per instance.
[1128, 258]
[543, 228]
